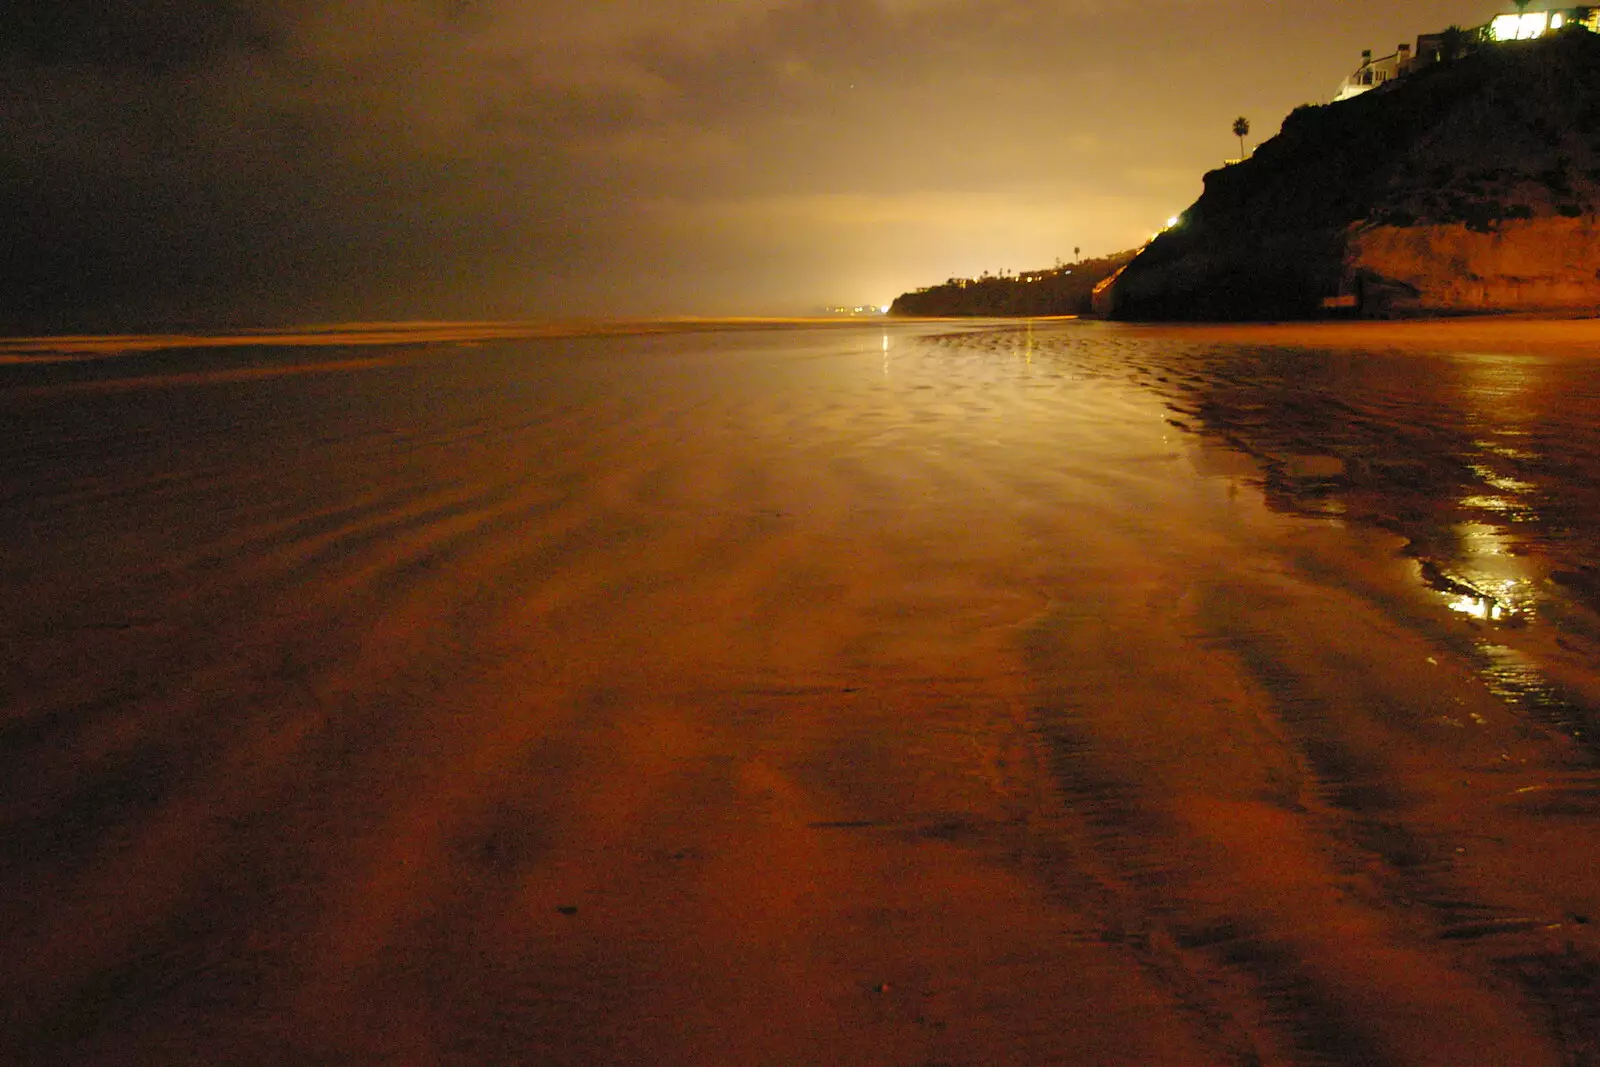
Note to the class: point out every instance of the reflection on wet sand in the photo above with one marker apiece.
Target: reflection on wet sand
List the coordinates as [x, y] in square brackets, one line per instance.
[1484, 459]
[907, 693]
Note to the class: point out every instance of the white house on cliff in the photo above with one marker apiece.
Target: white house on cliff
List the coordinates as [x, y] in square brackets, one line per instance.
[1512, 26]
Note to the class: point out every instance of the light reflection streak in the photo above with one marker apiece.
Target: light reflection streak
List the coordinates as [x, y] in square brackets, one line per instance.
[1506, 451]
[1496, 584]
[1486, 608]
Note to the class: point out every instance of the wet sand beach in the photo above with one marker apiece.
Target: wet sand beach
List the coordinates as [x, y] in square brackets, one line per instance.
[883, 693]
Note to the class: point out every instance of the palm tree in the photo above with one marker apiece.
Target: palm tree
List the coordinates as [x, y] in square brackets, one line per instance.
[1241, 130]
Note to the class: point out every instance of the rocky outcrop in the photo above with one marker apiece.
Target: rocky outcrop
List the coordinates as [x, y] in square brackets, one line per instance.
[1548, 264]
[1466, 187]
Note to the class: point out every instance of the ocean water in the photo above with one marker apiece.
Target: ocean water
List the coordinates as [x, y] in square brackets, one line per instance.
[861, 693]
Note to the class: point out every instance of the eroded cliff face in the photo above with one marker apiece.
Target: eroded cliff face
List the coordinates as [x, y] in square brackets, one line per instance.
[1469, 186]
[1548, 264]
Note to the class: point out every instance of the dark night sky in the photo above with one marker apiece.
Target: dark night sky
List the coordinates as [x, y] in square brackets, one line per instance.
[272, 161]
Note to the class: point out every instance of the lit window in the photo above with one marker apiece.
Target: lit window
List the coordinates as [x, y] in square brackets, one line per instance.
[1520, 27]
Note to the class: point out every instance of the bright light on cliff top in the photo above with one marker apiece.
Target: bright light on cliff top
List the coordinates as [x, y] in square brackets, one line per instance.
[1524, 27]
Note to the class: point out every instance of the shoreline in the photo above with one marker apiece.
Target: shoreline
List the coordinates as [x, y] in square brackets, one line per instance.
[42, 348]
[1516, 333]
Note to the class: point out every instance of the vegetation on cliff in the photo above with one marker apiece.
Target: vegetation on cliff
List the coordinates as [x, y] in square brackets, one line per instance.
[1059, 290]
[1486, 156]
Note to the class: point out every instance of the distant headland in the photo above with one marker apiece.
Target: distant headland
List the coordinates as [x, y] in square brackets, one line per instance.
[1064, 289]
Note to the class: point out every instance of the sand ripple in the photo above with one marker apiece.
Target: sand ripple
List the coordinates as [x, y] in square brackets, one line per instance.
[903, 694]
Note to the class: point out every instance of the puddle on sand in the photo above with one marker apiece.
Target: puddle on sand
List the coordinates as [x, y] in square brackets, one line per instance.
[1487, 464]
[1516, 679]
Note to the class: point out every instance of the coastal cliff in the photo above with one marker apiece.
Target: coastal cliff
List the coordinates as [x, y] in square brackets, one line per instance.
[1469, 186]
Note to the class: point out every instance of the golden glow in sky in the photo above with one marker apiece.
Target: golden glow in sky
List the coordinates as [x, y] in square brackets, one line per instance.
[258, 162]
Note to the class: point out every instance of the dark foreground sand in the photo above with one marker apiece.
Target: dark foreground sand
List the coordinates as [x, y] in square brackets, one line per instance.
[917, 694]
